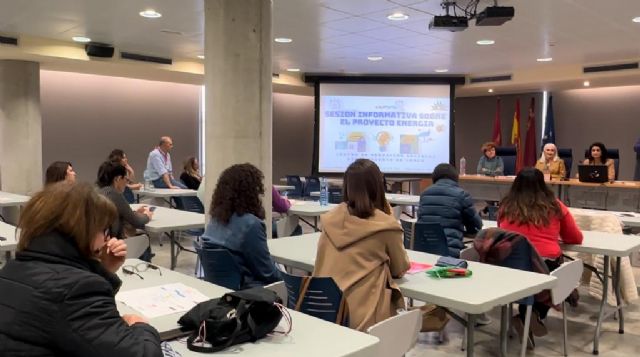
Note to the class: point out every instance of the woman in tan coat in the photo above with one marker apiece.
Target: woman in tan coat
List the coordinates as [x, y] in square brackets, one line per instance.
[361, 248]
[550, 163]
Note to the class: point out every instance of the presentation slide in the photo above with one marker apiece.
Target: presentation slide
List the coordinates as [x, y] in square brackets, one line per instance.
[403, 128]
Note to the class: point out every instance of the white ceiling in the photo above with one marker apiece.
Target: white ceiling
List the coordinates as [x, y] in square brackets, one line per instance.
[338, 35]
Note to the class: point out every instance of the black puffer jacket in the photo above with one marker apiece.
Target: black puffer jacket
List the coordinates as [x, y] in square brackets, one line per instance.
[54, 302]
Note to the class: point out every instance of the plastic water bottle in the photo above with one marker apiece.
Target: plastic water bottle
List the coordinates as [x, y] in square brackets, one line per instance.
[463, 166]
[324, 192]
[148, 184]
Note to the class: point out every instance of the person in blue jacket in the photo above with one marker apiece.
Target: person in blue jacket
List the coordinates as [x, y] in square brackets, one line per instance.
[237, 224]
[446, 203]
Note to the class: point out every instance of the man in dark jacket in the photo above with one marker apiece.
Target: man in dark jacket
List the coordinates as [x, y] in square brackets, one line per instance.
[56, 302]
[446, 203]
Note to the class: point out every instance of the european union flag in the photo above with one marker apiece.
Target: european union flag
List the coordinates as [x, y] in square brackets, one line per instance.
[549, 126]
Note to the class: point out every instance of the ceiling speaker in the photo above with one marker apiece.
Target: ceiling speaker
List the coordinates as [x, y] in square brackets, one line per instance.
[99, 50]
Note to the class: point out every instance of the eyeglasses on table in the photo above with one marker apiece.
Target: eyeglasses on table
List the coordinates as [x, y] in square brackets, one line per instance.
[140, 268]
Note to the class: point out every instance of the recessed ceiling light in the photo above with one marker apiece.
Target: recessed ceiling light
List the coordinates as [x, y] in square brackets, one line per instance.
[375, 58]
[586, 83]
[283, 40]
[485, 42]
[81, 39]
[293, 69]
[397, 16]
[201, 56]
[544, 59]
[150, 14]
[441, 70]
[490, 90]
[636, 19]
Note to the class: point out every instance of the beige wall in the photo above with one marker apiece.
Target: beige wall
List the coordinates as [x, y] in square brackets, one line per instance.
[610, 115]
[85, 116]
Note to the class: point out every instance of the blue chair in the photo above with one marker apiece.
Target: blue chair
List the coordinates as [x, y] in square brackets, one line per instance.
[508, 155]
[567, 156]
[428, 238]
[293, 180]
[335, 195]
[613, 154]
[316, 296]
[220, 268]
[312, 184]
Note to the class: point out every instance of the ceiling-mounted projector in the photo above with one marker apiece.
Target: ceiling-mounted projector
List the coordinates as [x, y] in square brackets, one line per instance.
[449, 23]
[495, 15]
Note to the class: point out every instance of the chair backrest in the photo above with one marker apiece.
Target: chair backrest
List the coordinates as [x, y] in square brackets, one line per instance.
[335, 195]
[296, 182]
[136, 246]
[316, 296]
[312, 184]
[613, 154]
[568, 275]
[520, 258]
[430, 238]
[508, 155]
[470, 254]
[566, 155]
[220, 268]
[397, 334]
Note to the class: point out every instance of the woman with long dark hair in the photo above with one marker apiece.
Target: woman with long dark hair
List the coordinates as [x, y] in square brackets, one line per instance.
[597, 155]
[59, 171]
[237, 224]
[531, 209]
[191, 176]
[361, 247]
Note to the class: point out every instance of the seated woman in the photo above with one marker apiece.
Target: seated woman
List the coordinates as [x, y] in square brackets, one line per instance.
[237, 224]
[550, 163]
[191, 176]
[447, 203]
[112, 181]
[120, 157]
[59, 171]
[361, 248]
[58, 293]
[597, 155]
[531, 209]
[490, 164]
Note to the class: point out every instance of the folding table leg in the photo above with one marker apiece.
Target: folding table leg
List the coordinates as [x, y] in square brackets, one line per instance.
[617, 284]
[173, 250]
[605, 287]
[471, 326]
[525, 334]
[504, 321]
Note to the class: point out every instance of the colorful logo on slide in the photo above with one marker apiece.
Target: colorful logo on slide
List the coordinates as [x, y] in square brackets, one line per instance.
[356, 141]
[439, 107]
[408, 144]
[383, 138]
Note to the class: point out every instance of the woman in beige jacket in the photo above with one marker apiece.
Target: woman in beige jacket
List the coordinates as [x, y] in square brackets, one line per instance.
[551, 163]
[361, 248]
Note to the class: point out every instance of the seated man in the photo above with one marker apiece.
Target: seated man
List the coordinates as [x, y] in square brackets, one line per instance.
[159, 168]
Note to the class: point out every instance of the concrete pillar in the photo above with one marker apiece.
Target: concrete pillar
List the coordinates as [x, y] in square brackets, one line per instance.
[238, 104]
[20, 128]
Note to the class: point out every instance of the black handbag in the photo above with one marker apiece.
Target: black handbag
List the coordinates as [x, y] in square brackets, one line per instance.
[236, 317]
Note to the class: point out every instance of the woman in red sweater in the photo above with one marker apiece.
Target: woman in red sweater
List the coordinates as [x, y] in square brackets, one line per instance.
[531, 209]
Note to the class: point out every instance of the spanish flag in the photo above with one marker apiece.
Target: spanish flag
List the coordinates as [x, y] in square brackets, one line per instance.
[516, 138]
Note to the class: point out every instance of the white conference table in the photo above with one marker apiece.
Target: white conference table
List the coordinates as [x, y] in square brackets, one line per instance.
[469, 295]
[309, 209]
[168, 220]
[281, 188]
[309, 336]
[8, 242]
[8, 199]
[394, 198]
[164, 194]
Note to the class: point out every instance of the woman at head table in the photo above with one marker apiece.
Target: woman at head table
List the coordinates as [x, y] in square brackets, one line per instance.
[490, 164]
[551, 163]
[597, 155]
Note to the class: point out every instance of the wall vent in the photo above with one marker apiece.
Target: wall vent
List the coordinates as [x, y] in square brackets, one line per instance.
[145, 58]
[610, 67]
[505, 77]
[8, 40]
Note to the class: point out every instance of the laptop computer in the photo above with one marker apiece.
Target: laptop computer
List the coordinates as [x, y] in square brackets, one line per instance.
[593, 173]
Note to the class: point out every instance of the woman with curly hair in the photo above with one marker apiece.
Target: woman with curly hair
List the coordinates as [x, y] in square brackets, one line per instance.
[237, 224]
